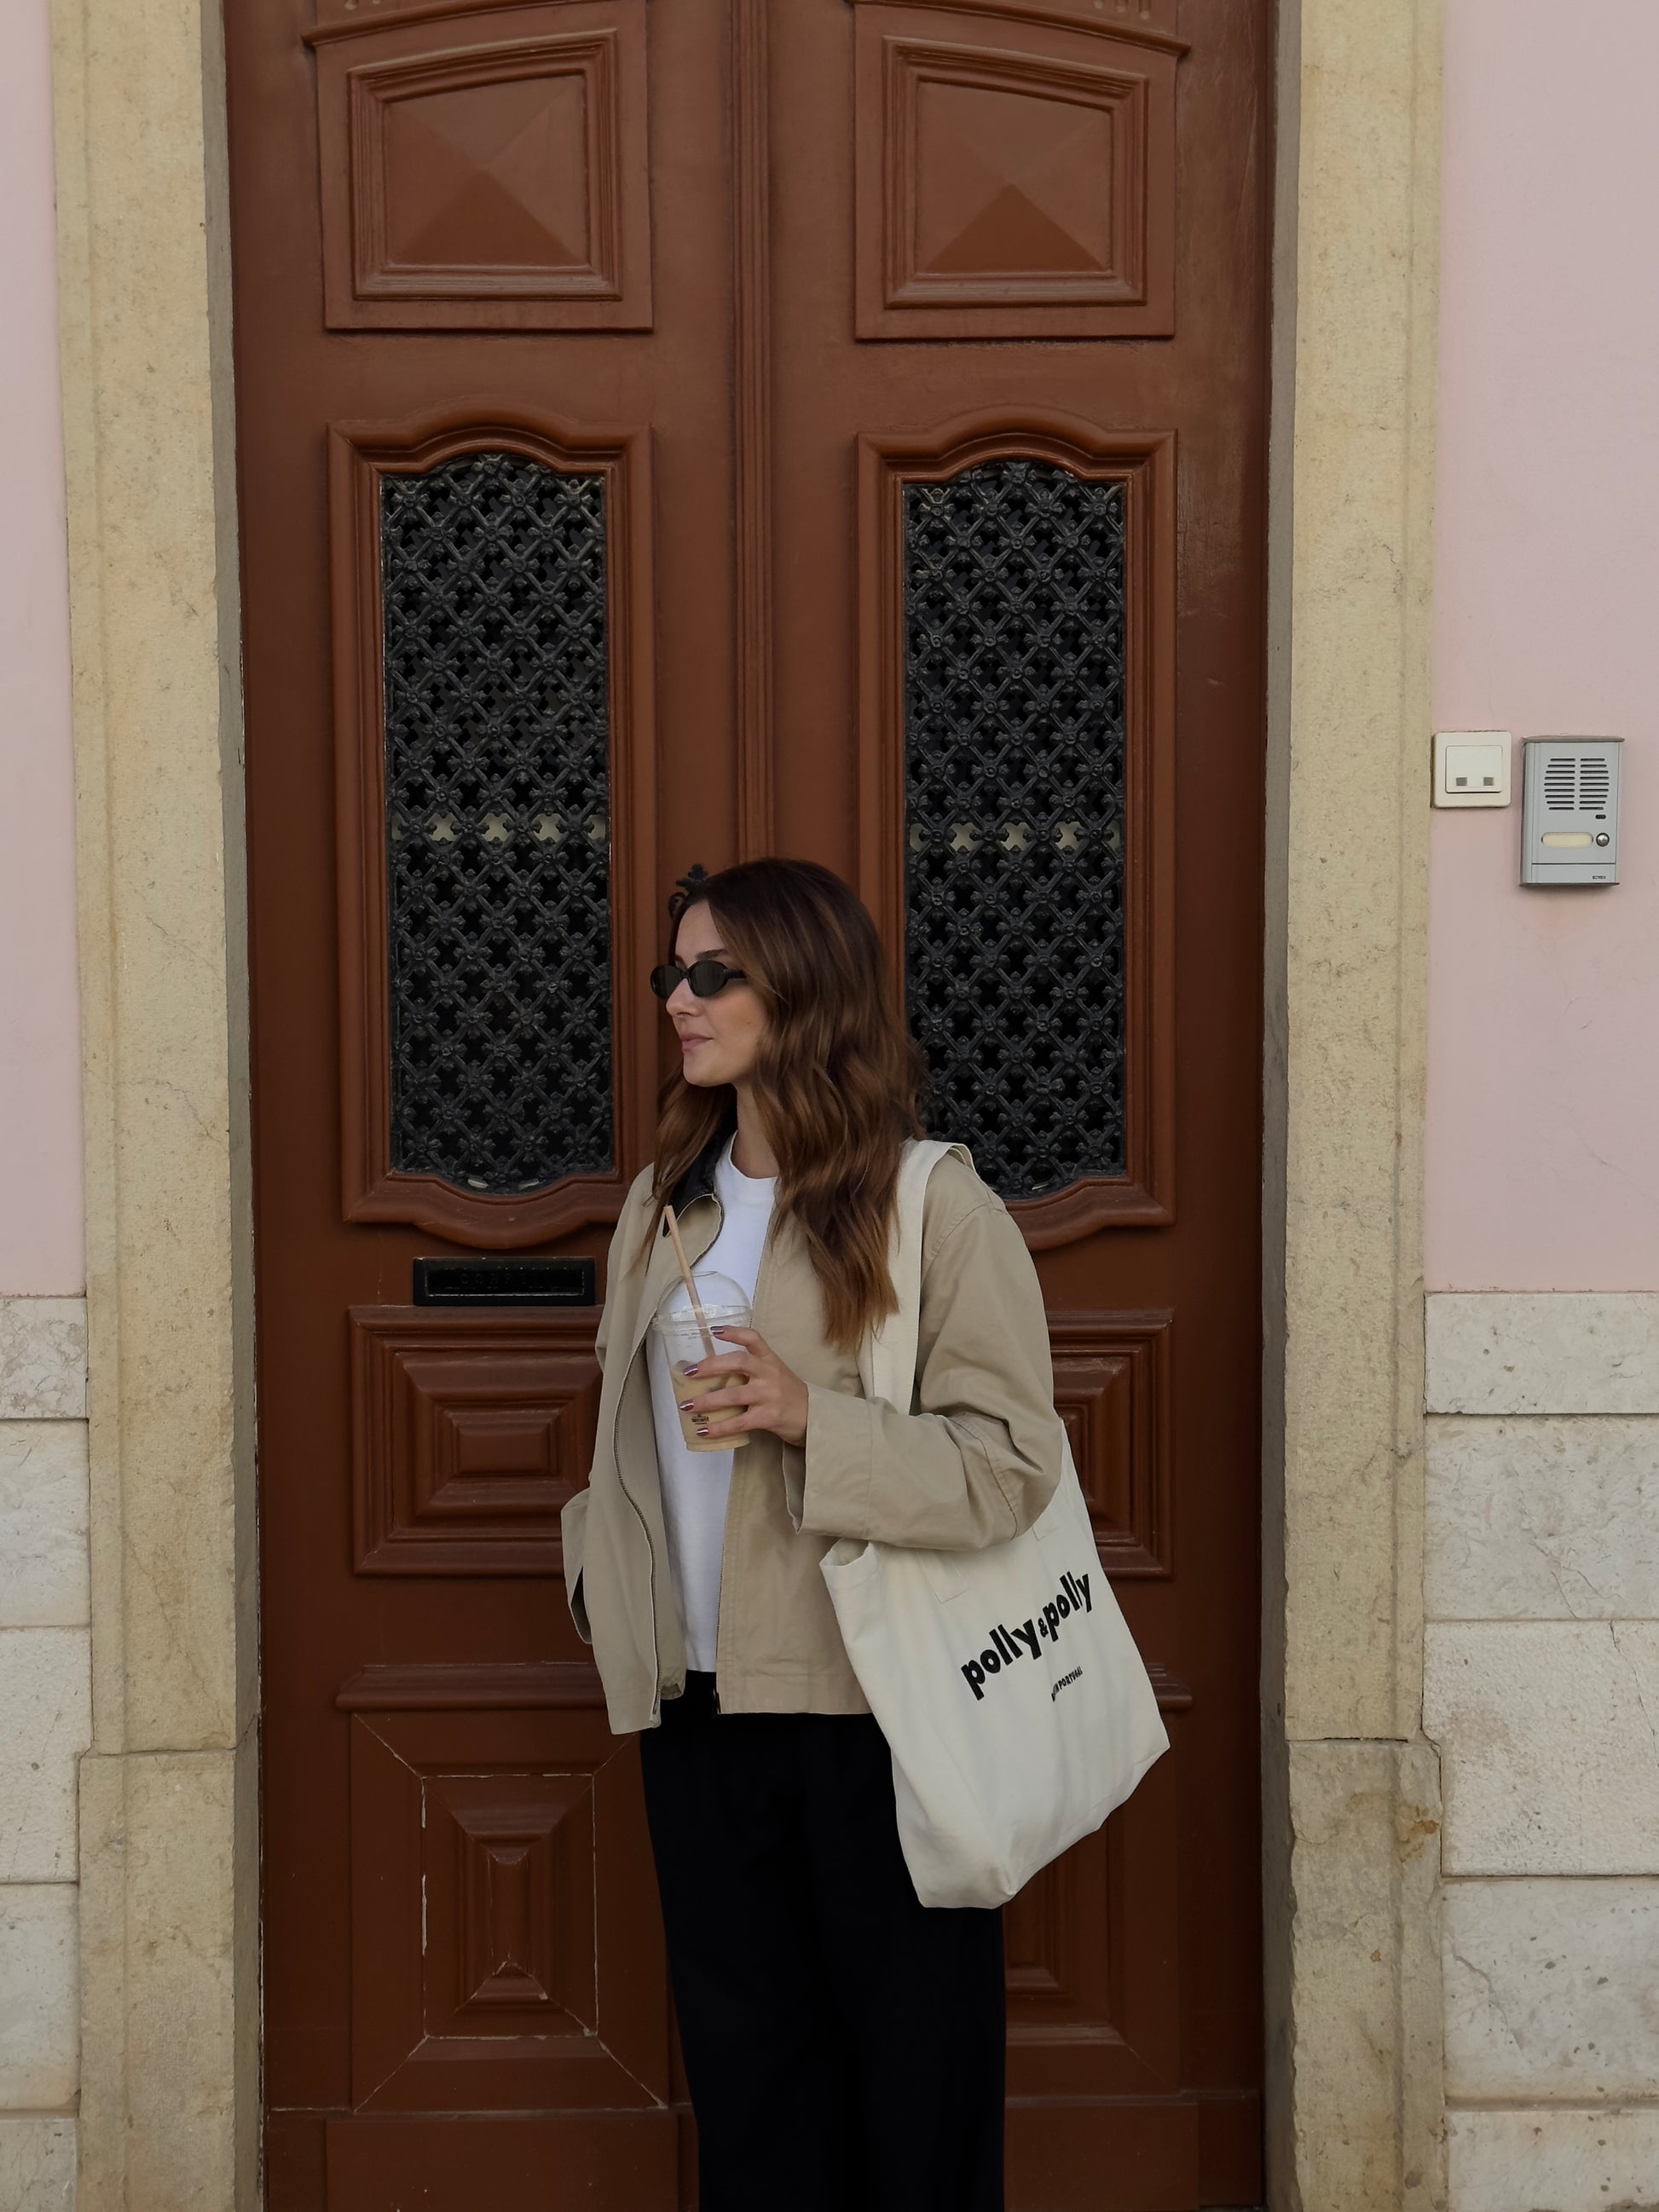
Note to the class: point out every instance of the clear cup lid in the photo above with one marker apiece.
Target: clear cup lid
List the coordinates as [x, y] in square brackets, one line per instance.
[721, 1300]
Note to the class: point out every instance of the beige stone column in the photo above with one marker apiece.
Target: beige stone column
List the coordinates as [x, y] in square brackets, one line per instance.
[169, 1962]
[1351, 1793]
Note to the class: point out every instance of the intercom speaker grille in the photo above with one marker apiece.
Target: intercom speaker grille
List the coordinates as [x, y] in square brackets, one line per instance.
[1561, 785]
[1576, 784]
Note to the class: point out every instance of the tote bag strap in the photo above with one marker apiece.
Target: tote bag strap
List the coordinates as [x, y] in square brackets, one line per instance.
[887, 1357]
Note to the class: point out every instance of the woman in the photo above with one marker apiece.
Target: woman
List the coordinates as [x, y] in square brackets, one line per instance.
[843, 2044]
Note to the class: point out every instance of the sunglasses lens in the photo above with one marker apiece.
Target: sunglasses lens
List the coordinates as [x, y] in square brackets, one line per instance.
[707, 978]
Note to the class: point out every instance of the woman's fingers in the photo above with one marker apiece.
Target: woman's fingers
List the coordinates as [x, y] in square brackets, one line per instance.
[769, 1396]
[734, 1394]
[733, 1363]
[722, 1416]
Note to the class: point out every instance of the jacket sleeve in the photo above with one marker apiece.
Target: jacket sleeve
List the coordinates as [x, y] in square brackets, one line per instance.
[980, 1457]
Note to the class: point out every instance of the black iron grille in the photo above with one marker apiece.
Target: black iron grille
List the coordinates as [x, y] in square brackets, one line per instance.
[1014, 632]
[492, 583]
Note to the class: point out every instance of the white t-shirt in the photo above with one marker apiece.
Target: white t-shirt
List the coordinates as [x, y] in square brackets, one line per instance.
[694, 1485]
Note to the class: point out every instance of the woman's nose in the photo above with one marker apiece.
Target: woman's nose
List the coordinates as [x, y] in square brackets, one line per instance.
[681, 1000]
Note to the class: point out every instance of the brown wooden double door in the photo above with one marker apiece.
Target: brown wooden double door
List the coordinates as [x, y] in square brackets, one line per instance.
[668, 430]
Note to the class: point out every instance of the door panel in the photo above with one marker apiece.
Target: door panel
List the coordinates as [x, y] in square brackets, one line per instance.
[672, 429]
[469, 578]
[1048, 708]
[1014, 180]
[1113, 1383]
[469, 1432]
[496, 1828]
[491, 174]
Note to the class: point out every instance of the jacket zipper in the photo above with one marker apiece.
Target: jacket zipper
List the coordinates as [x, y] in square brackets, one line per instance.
[656, 1663]
[754, 1307]
[642, 1350]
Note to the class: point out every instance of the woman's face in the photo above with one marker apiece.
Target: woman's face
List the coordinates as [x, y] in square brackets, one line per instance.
[719, 1037]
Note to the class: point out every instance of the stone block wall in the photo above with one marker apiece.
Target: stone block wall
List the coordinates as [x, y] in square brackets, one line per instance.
[45, 1724]
[1542, 1691]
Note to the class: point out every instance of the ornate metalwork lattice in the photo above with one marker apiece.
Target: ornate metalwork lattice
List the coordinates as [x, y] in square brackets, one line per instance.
[493, 590]
[1014, 638]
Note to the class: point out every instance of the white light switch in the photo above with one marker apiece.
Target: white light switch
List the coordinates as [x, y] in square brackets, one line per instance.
[1471, 767]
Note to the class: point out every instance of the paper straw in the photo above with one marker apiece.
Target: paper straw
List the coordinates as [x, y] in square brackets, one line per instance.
[690, 1287]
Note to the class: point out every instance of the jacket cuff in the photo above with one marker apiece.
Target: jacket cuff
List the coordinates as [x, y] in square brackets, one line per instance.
[836, 1466]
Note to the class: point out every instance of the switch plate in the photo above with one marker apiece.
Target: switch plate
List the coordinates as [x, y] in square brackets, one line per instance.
[1570, 810]
[1471, 767]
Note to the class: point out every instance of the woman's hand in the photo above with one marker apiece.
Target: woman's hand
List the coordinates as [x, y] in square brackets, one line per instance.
[772, 1397]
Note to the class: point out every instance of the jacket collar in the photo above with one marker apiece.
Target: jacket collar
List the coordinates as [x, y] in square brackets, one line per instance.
[698, 1181]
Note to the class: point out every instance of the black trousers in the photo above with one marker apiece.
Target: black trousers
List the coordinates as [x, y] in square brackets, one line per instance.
[844, 2045]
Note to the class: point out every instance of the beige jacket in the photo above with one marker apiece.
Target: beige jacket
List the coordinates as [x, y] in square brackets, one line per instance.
[973, 1463]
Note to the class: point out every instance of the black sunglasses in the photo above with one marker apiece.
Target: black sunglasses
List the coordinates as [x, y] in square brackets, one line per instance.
[707, 978]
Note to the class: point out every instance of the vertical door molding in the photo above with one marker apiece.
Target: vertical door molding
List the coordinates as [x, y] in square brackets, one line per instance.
[1144, 462]
[752, 295]
[361, 455]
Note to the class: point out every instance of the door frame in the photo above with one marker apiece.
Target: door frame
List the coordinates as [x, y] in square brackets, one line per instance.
[169, 1827]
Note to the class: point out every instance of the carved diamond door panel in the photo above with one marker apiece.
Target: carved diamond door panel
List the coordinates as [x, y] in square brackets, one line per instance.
[1015, 180]
[486, 173]
[470, 1433]
[497, 1870]
[497, 1858]
[672, 430]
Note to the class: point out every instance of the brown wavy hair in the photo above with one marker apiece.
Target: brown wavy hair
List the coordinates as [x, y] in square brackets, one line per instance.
[837, 1080]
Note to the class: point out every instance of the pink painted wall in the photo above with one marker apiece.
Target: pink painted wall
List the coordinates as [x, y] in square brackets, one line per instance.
[40, 1238]
[1543, 1128]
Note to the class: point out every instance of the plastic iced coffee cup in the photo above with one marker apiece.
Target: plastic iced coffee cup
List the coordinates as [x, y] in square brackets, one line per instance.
[724, 1306]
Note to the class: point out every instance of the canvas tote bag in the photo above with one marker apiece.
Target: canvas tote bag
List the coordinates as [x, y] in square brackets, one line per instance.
[1005, 1682]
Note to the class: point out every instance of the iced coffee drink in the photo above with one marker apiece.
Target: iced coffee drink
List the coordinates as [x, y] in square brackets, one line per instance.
[682, 1336]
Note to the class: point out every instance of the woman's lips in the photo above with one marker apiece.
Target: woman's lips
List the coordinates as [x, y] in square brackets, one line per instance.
[688, 1042]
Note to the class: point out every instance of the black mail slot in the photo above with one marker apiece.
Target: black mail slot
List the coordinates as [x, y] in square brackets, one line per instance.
[504, 1282]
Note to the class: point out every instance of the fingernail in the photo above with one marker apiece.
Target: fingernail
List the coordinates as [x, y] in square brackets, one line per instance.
[692, 1370]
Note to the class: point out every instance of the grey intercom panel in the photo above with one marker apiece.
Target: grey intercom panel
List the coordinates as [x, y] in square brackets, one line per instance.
[1569, 810]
